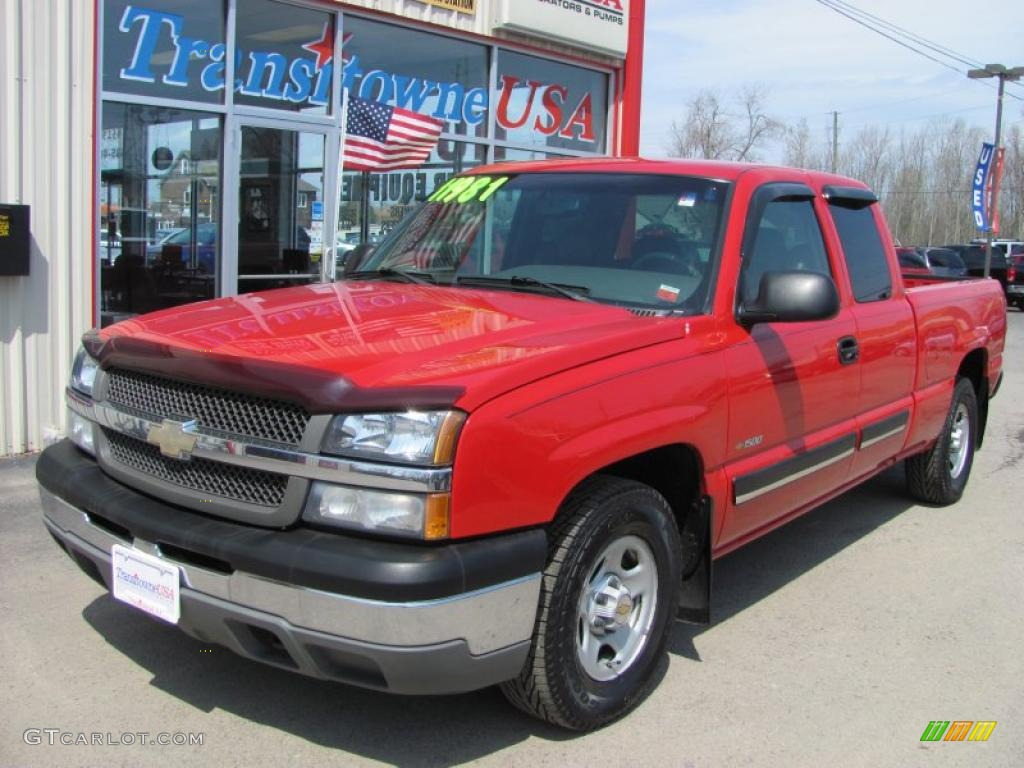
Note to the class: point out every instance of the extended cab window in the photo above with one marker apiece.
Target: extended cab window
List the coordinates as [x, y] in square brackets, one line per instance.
[863, 250]
[787, 238]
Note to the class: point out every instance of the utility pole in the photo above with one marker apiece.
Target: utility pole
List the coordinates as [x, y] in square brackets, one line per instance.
[1003, 74]
[835, 141]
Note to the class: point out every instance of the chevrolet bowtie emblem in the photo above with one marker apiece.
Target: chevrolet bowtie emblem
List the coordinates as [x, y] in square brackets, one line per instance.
[175, 438]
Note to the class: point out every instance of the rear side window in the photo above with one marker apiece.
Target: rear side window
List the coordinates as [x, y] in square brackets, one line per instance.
[863, 251]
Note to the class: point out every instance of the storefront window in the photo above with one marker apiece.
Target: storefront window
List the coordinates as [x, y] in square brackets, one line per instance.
[280, 191]
[159, 208]
[541, 103]
[172, 49]
[429, 74]
[161, 171]
[286, 56]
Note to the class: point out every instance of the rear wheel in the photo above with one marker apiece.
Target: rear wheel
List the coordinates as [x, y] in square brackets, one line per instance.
[939, 475]
[607, 601]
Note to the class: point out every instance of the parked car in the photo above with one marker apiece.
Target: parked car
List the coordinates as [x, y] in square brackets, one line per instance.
[176, 248]
[1015, 277]
[508, 446]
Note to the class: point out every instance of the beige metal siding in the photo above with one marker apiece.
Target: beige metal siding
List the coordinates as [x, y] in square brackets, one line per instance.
[478, 23]
[46, 146]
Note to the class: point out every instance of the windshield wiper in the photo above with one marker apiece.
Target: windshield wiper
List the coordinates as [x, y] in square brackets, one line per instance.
[574, 292]
[409, 276]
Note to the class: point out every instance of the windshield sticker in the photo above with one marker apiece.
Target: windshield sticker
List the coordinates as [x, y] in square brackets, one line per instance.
[668, 293]
[688, 200]
[468, 189]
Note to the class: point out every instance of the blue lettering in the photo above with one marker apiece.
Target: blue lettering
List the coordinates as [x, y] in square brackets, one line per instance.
[411, 92]
[458, 93]
[323, 84]
[212, 77]
[184, 47]
[475, 106]
[259, 62]
[301, 74]
[149, 36]
[387, 87]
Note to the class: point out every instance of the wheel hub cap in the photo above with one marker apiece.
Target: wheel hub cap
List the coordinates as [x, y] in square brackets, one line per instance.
[617, 607]
[959, 441]
[611, 605]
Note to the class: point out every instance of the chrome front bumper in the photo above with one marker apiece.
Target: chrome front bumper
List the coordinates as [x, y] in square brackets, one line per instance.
[447, 645]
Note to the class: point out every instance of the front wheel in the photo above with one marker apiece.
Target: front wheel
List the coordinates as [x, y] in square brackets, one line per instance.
[608, 598]
[939, 475]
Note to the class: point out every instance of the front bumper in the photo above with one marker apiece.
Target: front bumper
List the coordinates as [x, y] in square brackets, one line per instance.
[325, 605]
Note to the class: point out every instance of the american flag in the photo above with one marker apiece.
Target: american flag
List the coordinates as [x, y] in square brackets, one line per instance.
[383, 138]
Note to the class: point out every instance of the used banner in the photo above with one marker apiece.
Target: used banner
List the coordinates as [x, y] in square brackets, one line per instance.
[980, 188]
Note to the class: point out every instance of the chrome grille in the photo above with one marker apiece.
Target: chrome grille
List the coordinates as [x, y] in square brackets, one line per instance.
[218, 410]
[250, 486]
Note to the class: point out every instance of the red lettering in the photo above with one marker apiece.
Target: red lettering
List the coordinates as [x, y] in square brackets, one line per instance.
[554, 110]
[616, 3]
[583, 117]
[508, 84]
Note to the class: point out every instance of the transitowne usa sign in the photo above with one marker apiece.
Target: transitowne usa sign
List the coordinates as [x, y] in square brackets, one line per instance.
[602, 25]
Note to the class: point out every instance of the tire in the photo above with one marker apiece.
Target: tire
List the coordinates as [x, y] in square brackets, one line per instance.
[939, 475]
[590, 661]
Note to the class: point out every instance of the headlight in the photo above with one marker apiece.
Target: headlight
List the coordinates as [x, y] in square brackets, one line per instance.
[404, 514]
[411, 437]
[83, 372]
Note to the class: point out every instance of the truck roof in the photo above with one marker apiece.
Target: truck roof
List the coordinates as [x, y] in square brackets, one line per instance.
[716, 169]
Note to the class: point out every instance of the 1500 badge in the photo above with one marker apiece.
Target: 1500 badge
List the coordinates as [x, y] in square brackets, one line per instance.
[750, 442]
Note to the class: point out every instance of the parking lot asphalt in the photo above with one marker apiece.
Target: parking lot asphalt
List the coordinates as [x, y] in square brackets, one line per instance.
[835, 640]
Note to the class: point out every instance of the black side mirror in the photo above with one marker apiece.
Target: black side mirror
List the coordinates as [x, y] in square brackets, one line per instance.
[356, 257]
[791, 297]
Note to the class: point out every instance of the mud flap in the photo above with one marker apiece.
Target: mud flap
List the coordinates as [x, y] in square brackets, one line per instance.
[695, 591]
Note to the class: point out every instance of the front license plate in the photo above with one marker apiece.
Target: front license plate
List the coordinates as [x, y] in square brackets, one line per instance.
[146, 582]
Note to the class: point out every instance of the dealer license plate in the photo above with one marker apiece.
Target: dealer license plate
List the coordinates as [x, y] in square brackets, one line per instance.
[146, 582]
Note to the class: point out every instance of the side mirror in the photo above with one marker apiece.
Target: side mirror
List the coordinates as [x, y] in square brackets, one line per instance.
[356, 257]
[791, 297]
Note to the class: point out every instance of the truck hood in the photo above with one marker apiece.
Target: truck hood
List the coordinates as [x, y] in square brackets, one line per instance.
[347, 345]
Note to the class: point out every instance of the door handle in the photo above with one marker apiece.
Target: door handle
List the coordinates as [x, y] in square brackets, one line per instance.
[849, 350]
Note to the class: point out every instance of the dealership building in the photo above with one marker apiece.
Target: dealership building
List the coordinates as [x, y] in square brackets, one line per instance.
[133, 179]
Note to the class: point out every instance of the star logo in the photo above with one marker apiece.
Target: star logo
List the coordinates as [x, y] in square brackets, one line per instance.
[323, 48]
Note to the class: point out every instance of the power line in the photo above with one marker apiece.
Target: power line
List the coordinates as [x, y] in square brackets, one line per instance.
[919, 39]
[842, 9]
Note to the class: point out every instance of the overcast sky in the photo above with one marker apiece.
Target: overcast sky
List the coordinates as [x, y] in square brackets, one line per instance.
[813, 61]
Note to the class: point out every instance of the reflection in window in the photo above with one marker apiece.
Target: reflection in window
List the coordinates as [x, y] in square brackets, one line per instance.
[159, 208]
[393, 195]
[280, 170]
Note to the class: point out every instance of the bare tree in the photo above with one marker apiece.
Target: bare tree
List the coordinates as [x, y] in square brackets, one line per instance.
[922, 177]
[799, 150]
[713, 132]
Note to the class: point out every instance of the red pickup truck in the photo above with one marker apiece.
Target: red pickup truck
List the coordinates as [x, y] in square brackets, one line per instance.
[509, 444]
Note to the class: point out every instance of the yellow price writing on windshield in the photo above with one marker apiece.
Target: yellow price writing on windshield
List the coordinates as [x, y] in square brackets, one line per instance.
[467, 189]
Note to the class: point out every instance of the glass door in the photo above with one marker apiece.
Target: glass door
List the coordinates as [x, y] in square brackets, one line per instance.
[283, 183]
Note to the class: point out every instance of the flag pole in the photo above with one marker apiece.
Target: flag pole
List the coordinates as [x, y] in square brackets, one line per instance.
[364, 208]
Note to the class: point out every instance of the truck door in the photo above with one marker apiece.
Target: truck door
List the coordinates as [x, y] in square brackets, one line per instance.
[885, 341]
[793, 397]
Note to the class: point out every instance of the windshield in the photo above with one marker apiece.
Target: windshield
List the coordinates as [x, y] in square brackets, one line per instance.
[632, 240]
